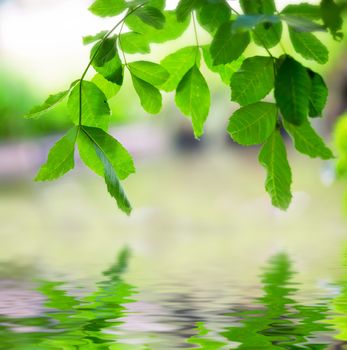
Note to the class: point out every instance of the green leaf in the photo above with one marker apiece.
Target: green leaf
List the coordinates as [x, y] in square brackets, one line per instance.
[178, 64]
[172, 28]
[109, 89]
[60, 158]
[253, 124]
[307, 141]
[308, 46]
[212, 15]
[224, 70]
[303, 10]
[151, 16]
[301, 24]
[253, 7]
[150, 72]
[227, 45]
[117, 155]
[95, 110]
[107, 157]
[106, 60]
[149, 95]
[89, 39]
[273, 157]
[318, 96]
[292, 89]
[134, 43]
[340, 143]
[50, 103]
[193, 98]
[108, 8]
[331, 15]
[185, 7]
[253, 81]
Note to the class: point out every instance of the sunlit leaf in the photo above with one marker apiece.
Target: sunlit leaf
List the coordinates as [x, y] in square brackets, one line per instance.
[193, 98]
[304, 10]
[253, 124]
[178, 64]
[108, 8]
[109, 89]
[273, 157]
[150, 72]
[89, 39]
[60, 158]
[253, 81]
[117, 155]
[150, 97]
[133, 42]
[95, 109]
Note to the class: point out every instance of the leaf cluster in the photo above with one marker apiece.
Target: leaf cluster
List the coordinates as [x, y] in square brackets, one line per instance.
[274, 93]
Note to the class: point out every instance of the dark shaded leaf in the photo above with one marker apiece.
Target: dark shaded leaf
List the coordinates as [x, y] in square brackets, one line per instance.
[185, 7]
[227, 45]
[151, 16]
[212, 15]
[318, 96]
[292, 89]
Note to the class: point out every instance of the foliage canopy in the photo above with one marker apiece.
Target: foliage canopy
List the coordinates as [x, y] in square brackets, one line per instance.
[298, 92]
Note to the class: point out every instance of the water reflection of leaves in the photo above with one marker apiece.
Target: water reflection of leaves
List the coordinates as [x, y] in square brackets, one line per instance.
[280, 322]
[75, 323]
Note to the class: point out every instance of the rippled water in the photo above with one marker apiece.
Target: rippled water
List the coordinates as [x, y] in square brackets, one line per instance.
[114, 314]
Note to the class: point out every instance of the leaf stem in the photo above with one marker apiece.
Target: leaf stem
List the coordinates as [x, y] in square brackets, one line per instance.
[94, 55]
[196, 36]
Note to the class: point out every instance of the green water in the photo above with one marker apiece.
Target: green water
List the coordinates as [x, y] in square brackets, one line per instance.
[204, 262]
[103, 318]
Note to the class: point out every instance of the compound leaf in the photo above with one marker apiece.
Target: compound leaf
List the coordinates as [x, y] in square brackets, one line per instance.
[150, 97]
[228, 45]
[308, 46]
[273, 157]
[292, 89]
[95, 109]
[193, 98]
[150, 72]
[60, 158]
[107, 8]
[253, 81]
[307, 141]
[253, 124]
[178, 64]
